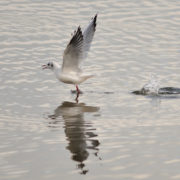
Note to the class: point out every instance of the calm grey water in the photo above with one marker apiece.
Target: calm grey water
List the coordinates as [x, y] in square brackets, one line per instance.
[110, 133]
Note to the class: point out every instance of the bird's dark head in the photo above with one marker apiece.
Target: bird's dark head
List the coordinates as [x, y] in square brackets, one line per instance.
[49, 65]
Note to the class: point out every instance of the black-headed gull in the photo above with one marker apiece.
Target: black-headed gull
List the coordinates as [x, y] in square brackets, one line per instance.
[76, 50]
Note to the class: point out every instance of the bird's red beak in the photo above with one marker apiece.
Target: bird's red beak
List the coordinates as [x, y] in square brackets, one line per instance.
[44, 66]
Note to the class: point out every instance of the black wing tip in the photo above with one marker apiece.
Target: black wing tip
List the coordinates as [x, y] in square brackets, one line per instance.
[95, 19]
[77, 36]
[78, 33]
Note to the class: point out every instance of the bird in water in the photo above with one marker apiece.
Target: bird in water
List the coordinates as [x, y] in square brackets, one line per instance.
[76, 50]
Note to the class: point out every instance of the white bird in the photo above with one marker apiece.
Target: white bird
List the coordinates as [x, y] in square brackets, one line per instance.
[76, 50]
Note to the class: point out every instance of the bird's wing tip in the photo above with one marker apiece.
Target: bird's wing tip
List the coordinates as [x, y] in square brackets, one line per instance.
[95, 19]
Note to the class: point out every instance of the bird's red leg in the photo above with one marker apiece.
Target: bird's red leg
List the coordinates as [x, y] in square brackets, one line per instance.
[77, 89]
[77, 96]
[78, 92]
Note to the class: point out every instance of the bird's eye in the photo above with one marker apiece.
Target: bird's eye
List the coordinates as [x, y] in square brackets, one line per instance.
[51, 64]
[48, 64]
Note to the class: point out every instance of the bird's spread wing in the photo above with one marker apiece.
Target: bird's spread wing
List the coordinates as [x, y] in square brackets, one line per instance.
[88, 35]
[78, 47]
[73, 52]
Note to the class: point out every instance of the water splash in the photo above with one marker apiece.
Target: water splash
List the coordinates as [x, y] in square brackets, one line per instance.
[152, 87]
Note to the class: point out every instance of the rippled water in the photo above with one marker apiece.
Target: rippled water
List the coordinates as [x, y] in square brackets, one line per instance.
[110, 133]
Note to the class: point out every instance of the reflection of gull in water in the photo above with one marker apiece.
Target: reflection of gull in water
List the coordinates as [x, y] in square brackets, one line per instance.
[80, 134]
[75, 51]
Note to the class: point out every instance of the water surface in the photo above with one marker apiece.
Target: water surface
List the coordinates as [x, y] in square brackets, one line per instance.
[110, 133]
